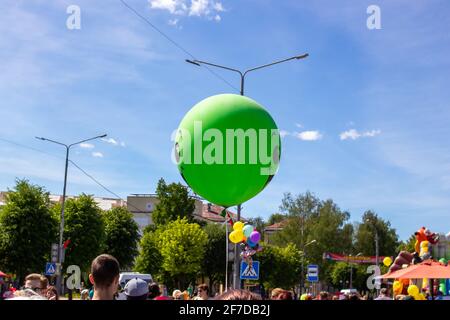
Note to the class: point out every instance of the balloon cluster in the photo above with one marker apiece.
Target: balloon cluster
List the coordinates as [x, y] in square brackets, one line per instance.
[414, 292]
[248, 237]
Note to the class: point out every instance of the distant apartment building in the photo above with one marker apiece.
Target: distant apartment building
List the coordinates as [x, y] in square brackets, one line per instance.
[103, 203]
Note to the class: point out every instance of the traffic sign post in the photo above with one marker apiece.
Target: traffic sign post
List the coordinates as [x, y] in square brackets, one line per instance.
[313, 273]
[50, 269]
[249, 271]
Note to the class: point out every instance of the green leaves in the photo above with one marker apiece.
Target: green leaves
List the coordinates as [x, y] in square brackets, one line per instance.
[182, 247]
[174, 251]
[365, 236]
[280, 267]
[28, 228]
[121, 236]
[174, 202]
[85, 229]
[213, 264]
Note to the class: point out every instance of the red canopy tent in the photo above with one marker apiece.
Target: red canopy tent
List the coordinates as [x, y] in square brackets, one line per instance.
[427, 269]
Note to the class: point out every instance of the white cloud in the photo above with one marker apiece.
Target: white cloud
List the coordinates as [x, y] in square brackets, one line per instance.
[350, 134]
[354, 134]
[198, 8]
[110, 140]
[284, 133]
[87, 146]
[372, 133]
[114, 142]
[97, 154]
[299, 125]
[173, 22]
[309, 135]
[169, 5]
[218, 7]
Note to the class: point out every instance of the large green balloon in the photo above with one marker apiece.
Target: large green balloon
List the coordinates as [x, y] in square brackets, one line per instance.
[228, 149]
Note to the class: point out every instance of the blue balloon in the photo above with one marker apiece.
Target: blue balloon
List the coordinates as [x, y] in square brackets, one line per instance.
[250, 243]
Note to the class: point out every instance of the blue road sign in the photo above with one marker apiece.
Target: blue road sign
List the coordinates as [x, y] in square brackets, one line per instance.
[250, 271]
[50, 269]
[313, 273]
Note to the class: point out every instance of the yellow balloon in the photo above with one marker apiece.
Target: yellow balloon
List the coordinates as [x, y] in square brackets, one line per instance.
[387, 261]
[236, 236]
[398, 287]
[238, 225]
[413, 290]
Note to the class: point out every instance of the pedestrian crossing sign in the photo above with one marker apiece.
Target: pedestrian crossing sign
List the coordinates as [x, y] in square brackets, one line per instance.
[50, 269]
[250, 271]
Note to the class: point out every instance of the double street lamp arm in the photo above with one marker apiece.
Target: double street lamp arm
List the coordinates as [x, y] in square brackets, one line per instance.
[243, 74]
[72, 144]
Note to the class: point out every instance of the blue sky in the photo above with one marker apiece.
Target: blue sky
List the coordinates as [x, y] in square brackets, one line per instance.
[366, 115]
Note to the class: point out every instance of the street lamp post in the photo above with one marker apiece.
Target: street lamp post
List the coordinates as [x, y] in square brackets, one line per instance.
[242, 74]
[351, 271]
[302, 278]
[61, 226]
[376, 250]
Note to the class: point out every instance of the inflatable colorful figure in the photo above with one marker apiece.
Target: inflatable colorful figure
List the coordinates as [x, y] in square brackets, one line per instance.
[424, 238]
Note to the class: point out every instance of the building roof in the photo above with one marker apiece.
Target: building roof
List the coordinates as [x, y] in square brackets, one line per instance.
[276, 226]
[212, 212]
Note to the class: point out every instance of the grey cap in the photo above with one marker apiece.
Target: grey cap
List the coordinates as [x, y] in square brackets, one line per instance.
[136, 287]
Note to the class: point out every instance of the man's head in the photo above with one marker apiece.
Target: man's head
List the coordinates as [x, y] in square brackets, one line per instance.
[36, 282]
[105, 273]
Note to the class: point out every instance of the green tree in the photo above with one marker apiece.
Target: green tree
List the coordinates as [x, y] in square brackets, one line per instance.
[182, 246]
[122, 236]
[84, 228]
[365, 236]
[310, 218]
[340, 276]
[28, 228]
[279, 267]
[213, 265]
[275, 218]
[174, 202]
[150, 259]
[409, 245]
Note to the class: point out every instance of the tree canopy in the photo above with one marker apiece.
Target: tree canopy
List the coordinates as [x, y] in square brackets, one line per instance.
[28, 229]
[121, 236]
[174, 202]
[84, 228]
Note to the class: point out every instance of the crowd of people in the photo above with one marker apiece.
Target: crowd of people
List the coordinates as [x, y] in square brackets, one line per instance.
[104, 277]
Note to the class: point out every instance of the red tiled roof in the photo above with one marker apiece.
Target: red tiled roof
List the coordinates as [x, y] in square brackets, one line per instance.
[276, 226]
[212, 212]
